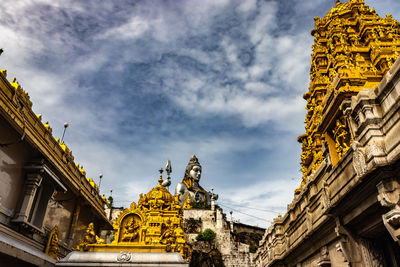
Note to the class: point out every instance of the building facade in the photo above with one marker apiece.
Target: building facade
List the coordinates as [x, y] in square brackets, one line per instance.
[346, 211]
[46, 200]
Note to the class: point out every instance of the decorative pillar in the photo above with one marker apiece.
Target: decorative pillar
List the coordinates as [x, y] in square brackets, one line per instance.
[32, 183]
[389, 196]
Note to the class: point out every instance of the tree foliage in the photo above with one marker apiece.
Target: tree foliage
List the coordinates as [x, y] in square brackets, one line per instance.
[207, 235]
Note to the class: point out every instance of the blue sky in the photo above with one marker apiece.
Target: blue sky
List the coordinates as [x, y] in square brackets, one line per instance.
[141, 82]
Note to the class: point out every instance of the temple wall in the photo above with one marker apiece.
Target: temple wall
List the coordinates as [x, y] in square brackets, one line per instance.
[41, 186]
[342, 215]
[12, 159]
[233, 253]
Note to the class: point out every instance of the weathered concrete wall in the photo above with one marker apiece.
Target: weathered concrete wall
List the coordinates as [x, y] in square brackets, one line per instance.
[233, 253]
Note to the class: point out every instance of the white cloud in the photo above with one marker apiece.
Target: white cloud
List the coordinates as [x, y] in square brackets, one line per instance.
[264, 200]
[133, 29]
[264, 92]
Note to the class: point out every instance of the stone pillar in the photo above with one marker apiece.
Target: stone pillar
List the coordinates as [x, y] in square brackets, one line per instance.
[74, 223]
[389, 196]
[32, 183]
[219, 219]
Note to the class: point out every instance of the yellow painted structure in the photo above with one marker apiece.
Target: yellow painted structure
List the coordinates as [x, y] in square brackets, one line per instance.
[52, 246]
[152, 225]
[353, 49]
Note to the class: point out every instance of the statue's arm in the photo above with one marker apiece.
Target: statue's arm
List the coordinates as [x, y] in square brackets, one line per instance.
[180, 189]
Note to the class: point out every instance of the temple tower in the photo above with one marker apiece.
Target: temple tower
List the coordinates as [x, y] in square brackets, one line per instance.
[353, 49]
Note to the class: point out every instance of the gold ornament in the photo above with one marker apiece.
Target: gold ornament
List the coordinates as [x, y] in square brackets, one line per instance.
[52, 247]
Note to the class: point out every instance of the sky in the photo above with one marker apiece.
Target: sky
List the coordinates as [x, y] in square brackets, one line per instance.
[141, 82]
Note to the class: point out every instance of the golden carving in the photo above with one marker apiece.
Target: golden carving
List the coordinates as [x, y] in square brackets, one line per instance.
[342, 136]
[52, 243]
[131, 229]
[90, 237]
[353, 48]
[154, 224]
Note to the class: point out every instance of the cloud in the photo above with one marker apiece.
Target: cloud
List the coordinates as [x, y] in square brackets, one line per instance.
[144, 81]
[259, 203]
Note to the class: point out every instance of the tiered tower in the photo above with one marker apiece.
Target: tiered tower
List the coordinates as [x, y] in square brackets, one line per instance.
[353, 49]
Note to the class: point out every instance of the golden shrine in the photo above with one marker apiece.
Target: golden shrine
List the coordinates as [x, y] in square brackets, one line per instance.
[152, 225]
[353, 49]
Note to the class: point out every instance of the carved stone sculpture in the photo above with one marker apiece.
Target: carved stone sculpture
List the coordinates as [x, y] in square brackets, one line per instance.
[190, 189]
[389, 196]
[359, 163]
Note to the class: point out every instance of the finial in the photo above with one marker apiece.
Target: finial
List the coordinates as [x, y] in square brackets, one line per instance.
[160, 180]
[168, 167]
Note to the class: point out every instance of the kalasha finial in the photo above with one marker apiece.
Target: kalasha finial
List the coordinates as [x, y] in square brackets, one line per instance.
[160, 180]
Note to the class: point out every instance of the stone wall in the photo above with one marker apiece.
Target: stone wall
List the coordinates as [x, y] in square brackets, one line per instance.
[344, 214]
[233, 253]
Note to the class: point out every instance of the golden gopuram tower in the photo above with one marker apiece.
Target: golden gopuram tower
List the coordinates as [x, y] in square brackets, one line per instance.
[152, 225]
[353, 49]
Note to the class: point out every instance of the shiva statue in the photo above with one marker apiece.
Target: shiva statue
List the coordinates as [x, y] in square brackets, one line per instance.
[189, 189]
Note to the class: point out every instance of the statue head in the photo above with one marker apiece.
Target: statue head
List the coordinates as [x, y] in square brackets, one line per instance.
[193, 169]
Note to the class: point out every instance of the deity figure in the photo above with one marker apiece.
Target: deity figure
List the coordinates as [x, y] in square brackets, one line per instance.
[342, 137]
[190, 188]
[167, 236]
[90, 237]
[52, 247]
[131, 231]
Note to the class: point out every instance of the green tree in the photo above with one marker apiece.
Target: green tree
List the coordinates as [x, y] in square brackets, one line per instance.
[207, 235]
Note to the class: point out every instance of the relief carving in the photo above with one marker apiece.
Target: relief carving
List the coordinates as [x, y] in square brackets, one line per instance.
[124, 256]
[375, 149]
[389, 196]
[52, 247]
[359, 163]
[131, 228]
[342, 136]
[372, 254]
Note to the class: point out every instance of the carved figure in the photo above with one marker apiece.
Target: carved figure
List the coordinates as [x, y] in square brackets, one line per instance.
[131, 231]
[52, 243]
[90, 237]
[167, 236]
[342, 138]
